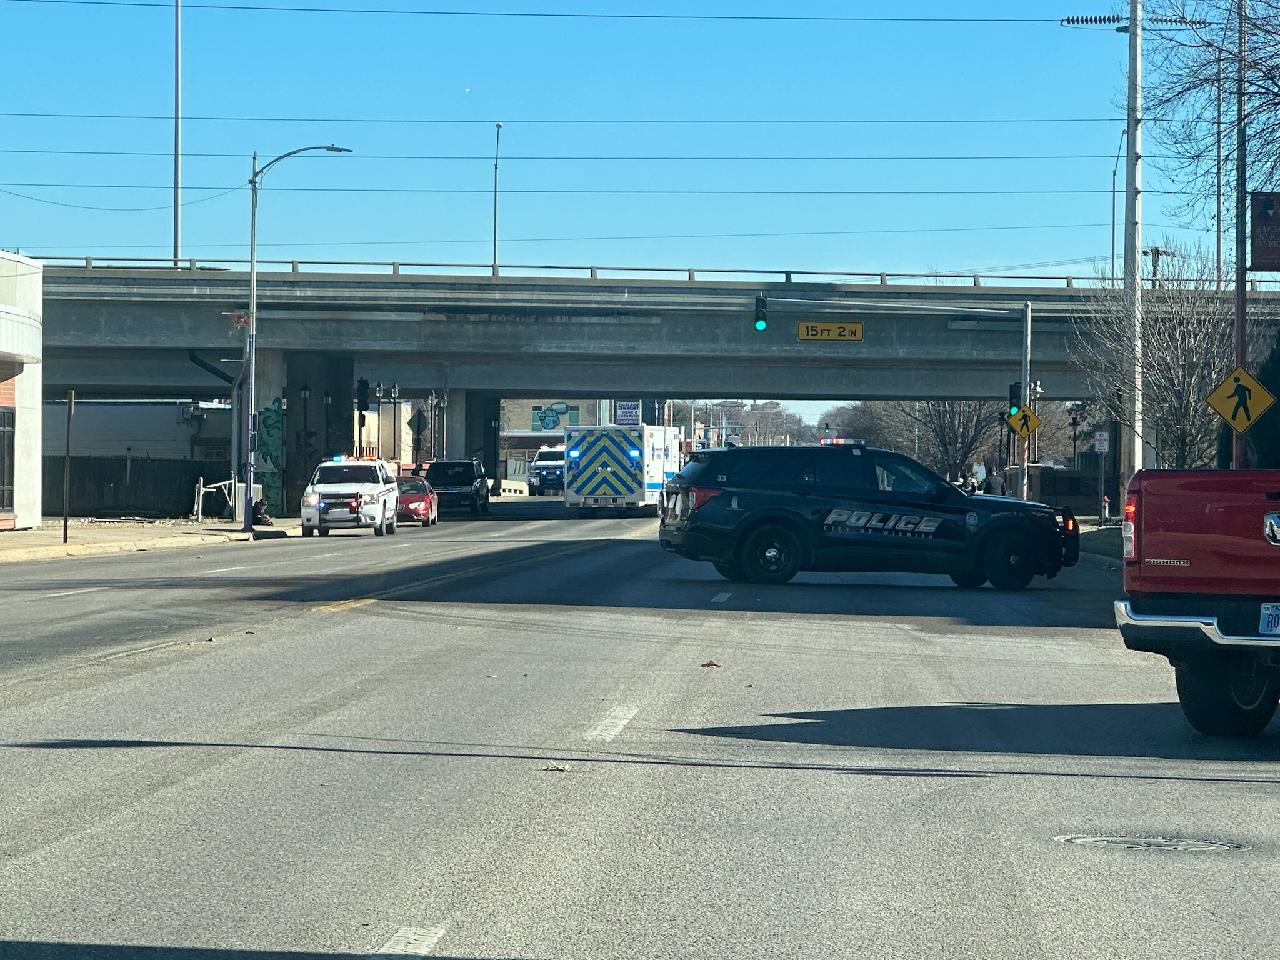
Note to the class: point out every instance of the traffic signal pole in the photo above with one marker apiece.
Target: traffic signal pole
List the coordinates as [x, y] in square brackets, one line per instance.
[1023, 473]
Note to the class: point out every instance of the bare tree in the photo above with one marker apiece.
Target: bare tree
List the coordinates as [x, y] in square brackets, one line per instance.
[1187, 351]
[953, 431]
[1191, 65]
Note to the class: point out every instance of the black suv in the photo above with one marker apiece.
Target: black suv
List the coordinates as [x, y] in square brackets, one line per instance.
[762, 514]
[460, 483]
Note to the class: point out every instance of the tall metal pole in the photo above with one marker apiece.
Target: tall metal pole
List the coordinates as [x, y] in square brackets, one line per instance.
[1217, 210]
[1024, 475]
[251, 352]
[1133, 241]
[177, 131]
[66, 465]
[1238, 456]
[497, 146]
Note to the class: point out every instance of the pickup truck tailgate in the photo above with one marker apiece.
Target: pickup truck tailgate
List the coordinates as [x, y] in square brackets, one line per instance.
[1203, 532]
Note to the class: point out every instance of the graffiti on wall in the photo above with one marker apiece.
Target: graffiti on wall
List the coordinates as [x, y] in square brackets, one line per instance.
[269, 469]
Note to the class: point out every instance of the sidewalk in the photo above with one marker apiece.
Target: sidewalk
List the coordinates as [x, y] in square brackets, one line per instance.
[93, 537]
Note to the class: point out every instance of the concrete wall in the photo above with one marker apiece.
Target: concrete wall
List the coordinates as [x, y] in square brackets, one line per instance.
[156, 430]
[21, 380]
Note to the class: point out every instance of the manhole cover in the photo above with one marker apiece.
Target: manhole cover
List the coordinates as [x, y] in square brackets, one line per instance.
[1182, 844]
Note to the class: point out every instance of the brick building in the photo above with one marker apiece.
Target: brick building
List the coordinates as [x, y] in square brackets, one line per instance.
[20, 388]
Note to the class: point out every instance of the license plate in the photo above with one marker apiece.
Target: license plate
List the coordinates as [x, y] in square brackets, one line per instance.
[339, 513]
[1269, 624]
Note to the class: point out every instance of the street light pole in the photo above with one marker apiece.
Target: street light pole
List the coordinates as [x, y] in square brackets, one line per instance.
[251, 339]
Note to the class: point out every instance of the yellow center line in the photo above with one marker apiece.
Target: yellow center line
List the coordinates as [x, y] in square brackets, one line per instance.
[347, 604]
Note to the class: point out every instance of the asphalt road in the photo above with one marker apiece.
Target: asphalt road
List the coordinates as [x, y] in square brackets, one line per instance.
[501, 738]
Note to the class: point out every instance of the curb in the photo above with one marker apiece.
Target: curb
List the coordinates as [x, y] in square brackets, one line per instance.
[61, 551]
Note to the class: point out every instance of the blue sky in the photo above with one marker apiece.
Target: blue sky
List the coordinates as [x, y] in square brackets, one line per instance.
[86, 59]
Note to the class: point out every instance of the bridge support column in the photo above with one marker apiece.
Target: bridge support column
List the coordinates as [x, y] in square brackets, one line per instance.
[455, 426]
[315, 430]
[269, 452]
[484, 411]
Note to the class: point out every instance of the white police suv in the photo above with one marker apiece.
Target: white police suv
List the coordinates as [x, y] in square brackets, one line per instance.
[347, 492]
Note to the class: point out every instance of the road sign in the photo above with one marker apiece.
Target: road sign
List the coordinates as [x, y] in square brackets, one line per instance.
[1102, 441]
[626, 413]
[828, 330]
[1264, 235]
[1024, 422]
[1240, 400]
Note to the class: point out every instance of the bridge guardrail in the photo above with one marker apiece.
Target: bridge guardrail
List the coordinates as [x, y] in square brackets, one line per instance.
[598, 272]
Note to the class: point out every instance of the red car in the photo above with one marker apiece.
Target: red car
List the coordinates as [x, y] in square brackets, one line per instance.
[417, 502]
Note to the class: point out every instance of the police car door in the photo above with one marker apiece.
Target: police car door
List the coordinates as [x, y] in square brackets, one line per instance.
[846, 488]
[920, 514]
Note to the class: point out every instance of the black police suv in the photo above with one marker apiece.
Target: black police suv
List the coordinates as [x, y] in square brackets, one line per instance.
[762, 514]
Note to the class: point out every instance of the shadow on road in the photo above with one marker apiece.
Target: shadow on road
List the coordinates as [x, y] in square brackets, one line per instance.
[441, 750]
[1155, 730]
[50, 950]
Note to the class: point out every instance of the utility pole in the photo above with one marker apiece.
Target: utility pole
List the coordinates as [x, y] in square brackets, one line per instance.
[177, 131]
[66, 465]
[1242, 215]
[1133, 240]
[497, 146]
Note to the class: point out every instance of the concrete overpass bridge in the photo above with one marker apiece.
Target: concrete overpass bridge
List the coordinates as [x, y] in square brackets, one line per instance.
[146, 328]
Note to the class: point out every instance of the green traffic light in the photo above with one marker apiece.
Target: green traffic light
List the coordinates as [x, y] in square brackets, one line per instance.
[761, 324]
[1013, 411]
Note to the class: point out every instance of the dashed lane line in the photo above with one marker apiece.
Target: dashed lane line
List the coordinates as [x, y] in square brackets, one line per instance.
[614, 722]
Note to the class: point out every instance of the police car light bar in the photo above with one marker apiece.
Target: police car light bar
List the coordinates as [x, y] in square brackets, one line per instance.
[840, 442]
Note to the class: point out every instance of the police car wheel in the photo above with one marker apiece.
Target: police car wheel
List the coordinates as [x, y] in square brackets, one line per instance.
[1008, 562]
[485, 507]
[323, 531]
[308, 531]
[730, 570]
[380, 529]
[969, 579]
[391, 527]
[771, 555]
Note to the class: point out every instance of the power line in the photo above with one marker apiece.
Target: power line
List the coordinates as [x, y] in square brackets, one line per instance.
[601, 191]
[86, 206]
[543, 121]
[547, 14]
[662, 236]
[576, 158]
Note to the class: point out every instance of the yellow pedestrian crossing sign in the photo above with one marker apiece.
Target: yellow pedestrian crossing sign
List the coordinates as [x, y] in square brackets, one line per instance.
[1240, 400]
[1024, 422]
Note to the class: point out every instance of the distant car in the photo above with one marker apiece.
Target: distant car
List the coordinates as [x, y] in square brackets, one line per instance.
[417, 503]
[460, 483]
[546, 471]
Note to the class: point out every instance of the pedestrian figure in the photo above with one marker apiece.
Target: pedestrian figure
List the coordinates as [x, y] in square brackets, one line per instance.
[1242, 393]
[1024, 422]
[260, 518]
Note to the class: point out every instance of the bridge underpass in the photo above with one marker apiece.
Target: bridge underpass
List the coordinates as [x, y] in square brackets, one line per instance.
[160, 333]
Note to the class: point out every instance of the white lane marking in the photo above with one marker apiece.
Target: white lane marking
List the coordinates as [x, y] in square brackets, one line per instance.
[410, 942]
[69, 593]
[613, 723]
[721, 597]
[226, 569]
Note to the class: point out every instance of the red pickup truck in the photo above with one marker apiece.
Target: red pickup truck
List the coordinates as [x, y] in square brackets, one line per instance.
[1202, 584]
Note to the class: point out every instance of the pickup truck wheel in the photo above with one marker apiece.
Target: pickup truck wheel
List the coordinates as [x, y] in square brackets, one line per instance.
[1227, 696]
[969, 579]
[391, 526]
[730, 570]
[323, 531]
[770, 555]
[308, 531]
[475, 506]
[381, 529]
[1008, 563]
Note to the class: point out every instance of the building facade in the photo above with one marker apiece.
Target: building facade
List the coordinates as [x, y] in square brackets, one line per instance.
[21, 380]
